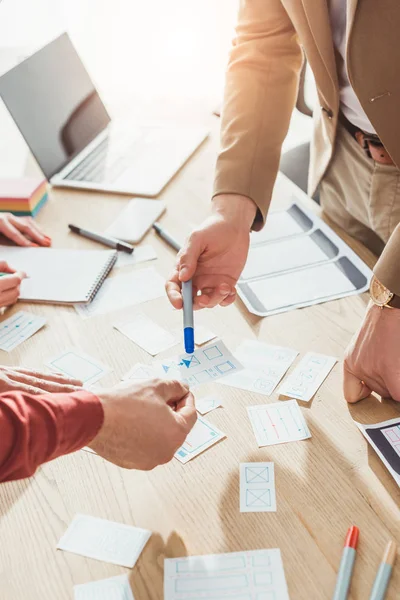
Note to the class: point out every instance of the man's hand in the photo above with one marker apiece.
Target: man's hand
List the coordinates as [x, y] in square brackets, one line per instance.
[144, 423]
[215, 254]
[9, 284]
[23, 231]
[14, 379]
[372, 361]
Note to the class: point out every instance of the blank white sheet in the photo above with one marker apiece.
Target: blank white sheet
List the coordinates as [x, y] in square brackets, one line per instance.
[114, 588]
[282, 256]
[104, 540]
[124, 290]
[300, 287]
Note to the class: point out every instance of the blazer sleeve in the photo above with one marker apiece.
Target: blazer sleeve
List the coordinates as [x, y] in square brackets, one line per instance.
[35, 429]
[260, 94]
[387, 269]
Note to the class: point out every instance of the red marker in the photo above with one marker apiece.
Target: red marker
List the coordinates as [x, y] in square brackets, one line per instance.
[346, 564]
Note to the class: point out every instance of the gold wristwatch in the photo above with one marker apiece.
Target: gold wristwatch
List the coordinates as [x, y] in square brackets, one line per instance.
[381, 296]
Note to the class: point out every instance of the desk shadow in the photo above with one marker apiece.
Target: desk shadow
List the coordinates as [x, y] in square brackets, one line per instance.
[323, 498]
[147, 578]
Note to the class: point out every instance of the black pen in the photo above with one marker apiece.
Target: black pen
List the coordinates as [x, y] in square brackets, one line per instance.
[98, 237]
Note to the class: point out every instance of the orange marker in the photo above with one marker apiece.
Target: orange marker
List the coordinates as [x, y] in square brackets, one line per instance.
[346, 564]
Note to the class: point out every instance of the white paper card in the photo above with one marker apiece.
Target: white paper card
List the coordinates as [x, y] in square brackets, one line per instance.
[135, 219]
[124, 290]
[140, 372]
[147, 334]
[207, 404]
[203, 366]
[18, 328]
[139, 255]
[385, 440]
[280, 224]
[202, 335]
[308, 376]
[264, 367]
[257, 487]
[293, 253]
[104, 540]
[303, 287]
[114, 588]
[202, 436]
[78, 365]
[252, 575]
[278, 423]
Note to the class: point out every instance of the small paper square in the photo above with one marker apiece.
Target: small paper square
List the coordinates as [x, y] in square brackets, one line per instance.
[18, 328]
[202, 335]
[257, 487]
[207, 404]
[202, 436]
[147, 334]
[78, 365]
[278, 423]
[104, 540]
[114, 588]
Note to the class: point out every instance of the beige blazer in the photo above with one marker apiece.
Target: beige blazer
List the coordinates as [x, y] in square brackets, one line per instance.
[261, 90]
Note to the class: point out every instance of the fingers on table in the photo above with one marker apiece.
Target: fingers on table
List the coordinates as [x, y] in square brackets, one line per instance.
[28, 228]
[55, 377]
[44, 385]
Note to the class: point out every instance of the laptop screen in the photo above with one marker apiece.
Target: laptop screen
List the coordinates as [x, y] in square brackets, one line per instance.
[54, 104]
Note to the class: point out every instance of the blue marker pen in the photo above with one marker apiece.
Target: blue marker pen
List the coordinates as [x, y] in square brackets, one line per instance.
[188, 324]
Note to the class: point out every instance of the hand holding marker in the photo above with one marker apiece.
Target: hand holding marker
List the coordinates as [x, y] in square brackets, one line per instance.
[188, 321]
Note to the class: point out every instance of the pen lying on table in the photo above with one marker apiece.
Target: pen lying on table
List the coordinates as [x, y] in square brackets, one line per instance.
[102, 239]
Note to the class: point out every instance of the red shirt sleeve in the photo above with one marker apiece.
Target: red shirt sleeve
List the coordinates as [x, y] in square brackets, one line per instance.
[36, 429]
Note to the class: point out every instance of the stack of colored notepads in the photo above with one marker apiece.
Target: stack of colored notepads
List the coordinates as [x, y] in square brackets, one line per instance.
[24, 196]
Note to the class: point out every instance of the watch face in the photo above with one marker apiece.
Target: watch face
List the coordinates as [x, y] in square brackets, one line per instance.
[379, 293]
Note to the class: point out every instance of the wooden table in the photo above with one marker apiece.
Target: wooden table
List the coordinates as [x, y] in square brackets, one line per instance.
[323, 484]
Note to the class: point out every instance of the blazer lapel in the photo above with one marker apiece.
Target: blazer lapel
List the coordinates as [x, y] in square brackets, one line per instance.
[351, 12]
[317, 14]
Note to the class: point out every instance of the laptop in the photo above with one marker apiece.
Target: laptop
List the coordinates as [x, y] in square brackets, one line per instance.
[59, 112]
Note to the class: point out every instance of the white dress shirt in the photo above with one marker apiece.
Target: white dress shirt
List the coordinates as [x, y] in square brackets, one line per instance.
[349, 103]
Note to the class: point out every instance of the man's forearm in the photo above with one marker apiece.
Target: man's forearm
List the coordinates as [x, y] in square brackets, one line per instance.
[387, 269]
[36, 429]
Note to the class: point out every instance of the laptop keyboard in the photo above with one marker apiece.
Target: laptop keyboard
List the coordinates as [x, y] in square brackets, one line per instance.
[105, 165]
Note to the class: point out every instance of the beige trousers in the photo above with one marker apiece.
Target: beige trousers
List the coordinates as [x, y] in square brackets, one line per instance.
[360, 195]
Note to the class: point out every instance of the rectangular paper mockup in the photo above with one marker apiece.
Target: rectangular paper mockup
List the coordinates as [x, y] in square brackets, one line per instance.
[78, 365]
[304, 382]
[205, 365]
[252, 575]
[264, 367]
[257, 487]
[18, 328]
[104, 540]
[202, 436]
[278, 423]
[385, 439]
[147, 334]
[114, 588]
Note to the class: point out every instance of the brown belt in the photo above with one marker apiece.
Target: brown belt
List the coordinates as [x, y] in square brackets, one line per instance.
[368, 142]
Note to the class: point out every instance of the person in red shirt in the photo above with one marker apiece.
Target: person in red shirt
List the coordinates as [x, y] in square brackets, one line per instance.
[134, 425]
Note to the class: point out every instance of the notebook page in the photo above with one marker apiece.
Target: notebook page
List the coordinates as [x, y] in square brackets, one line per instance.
[58, 275]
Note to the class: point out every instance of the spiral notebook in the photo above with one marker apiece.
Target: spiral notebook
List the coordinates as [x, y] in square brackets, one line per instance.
[60, 276]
